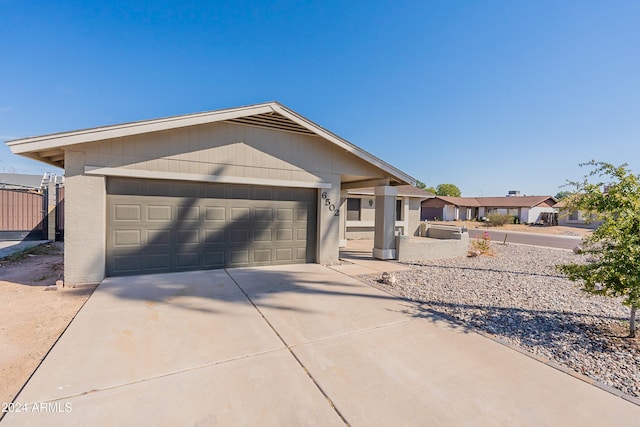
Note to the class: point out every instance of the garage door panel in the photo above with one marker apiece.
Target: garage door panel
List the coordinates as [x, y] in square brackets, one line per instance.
[262, 255]
[284, 235]
[125, 212]
[159, 262]
[187, 260]
[239, 257]
[188, 213]
[263, 214]
[127, 238]
[214, 259]
[284, 214]
[284, 254]
[126, 263]
[159, 213]
[264, 235]
[161, 229]
[240, 214]
[215, 214]
[158, 237]
[214, 236]
[188, 237]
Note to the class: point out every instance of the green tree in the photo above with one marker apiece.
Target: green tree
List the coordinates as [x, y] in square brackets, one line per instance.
[423, 186]
[562, 195]
[614, 247]
[448, 190]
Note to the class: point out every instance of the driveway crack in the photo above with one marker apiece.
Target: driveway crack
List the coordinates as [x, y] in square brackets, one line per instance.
[289, 349]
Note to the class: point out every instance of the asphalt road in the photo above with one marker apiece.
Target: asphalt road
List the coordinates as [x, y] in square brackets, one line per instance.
[536, 239]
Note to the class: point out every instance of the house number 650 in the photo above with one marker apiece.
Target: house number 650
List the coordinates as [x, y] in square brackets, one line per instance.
[331, 206]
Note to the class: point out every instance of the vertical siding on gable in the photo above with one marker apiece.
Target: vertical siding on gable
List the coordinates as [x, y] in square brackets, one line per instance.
[230, 149]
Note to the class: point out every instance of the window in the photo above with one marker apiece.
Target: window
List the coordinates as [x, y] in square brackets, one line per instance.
[353, 209]
[574, 216]
[399, 210]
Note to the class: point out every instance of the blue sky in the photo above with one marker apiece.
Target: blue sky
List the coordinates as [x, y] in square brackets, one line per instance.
[489, 95]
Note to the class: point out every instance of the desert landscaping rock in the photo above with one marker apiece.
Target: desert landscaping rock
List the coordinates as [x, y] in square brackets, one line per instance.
[519, 296]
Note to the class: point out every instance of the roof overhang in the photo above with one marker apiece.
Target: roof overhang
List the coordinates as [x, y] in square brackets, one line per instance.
[50, 148]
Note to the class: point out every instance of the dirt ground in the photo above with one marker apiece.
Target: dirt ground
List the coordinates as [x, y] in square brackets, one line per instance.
[33, 314]
[552, 229]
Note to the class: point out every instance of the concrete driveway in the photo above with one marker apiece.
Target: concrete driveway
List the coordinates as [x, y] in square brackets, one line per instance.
[294, 345]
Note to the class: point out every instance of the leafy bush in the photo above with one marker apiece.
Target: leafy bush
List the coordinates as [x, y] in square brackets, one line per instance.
[495, 219]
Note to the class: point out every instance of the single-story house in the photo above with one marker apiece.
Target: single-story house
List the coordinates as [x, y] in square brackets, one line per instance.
[254, 185]
[360, 211]
[19, 181]
[575, 218]
[528, 209]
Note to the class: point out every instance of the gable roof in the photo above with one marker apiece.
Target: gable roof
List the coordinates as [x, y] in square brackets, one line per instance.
[403, 190]
[272, 115]
[498, 202]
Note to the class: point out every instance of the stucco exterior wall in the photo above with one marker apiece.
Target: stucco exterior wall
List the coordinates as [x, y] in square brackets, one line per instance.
[85, 223]
[413, 218]
[534, 213]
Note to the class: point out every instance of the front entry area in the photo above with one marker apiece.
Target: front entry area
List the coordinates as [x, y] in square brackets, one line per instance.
[157, 226]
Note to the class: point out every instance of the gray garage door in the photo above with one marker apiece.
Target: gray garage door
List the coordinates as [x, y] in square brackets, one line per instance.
[161, 226]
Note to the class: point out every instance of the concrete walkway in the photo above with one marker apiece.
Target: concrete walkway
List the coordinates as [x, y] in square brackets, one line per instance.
[293, 345]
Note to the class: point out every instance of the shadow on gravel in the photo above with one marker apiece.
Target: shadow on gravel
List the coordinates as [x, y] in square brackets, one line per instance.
[555, 331]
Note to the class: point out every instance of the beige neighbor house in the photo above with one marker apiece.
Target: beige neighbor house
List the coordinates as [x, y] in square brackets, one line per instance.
[528, 209]
[360, 212]
[255, 185]
[576, 218]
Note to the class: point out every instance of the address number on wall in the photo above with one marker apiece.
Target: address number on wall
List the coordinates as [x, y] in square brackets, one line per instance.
[329, 205]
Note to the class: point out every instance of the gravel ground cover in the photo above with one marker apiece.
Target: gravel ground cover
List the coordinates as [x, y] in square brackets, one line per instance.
[518, 295]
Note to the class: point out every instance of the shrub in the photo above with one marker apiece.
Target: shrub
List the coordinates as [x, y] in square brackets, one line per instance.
[481, 246]
[495, 219]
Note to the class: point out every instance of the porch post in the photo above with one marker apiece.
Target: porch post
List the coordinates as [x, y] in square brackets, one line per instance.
[384, 244]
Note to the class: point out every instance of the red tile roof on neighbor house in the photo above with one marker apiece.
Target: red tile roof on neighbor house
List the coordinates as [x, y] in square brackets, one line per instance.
[403, 190]
[499, 202]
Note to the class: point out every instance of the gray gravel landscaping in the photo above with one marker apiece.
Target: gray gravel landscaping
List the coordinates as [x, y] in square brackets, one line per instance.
[519, 296]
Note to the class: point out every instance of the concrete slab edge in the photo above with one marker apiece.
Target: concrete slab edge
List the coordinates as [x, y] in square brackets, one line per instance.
[502, 341]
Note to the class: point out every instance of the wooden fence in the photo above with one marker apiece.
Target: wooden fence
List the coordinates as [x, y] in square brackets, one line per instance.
[23, 215]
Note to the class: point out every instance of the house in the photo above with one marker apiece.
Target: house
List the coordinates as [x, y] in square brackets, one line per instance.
[528, 209]
[575, 218]
[18, 181]
[360, 211]
[254, 185]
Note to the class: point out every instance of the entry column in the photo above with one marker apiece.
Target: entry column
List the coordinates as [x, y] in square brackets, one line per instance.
[384, 244]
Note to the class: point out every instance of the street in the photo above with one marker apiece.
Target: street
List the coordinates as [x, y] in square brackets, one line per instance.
[548, 240]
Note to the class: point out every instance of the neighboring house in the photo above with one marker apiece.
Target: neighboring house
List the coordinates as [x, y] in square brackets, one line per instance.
[17, 181]
[575, 218]
[254, 185]
[360, 211]
[528, 209]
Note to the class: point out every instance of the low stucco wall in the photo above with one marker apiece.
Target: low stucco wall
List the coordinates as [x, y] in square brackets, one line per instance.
[411, 248]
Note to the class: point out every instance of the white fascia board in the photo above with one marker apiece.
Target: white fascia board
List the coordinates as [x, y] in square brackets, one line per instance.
[58, 140]
[346, 145]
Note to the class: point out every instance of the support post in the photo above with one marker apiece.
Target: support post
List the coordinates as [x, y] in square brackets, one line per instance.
[384, 246]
